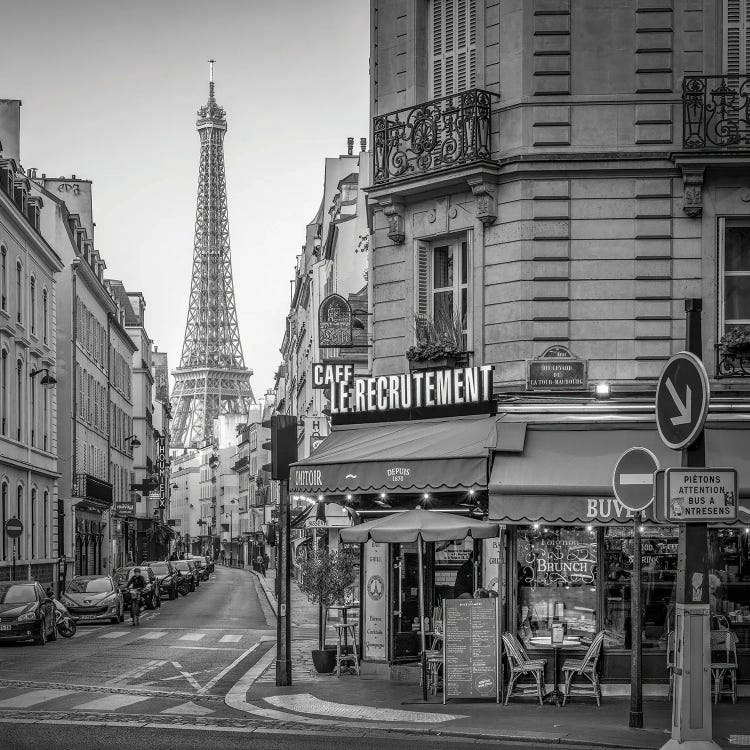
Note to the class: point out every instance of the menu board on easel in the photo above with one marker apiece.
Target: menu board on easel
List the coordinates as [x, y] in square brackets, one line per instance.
[470, 649]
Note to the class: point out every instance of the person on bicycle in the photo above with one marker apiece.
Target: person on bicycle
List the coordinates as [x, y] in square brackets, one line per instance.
[136, 582]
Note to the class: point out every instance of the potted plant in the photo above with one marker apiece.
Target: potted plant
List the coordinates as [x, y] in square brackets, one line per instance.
[439, 341]
[325, 577]
[735, 343]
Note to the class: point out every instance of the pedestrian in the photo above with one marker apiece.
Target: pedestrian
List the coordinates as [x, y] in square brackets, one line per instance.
[259, 564]
[50, 592]
[266, 561]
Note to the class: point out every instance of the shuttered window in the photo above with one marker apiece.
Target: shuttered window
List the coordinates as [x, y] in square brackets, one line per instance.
[452, 46]
[736, 37]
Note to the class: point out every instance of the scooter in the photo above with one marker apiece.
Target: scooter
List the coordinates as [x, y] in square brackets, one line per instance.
[66, 625]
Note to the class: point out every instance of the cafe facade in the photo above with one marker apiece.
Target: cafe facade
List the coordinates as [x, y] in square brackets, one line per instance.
[564, 554]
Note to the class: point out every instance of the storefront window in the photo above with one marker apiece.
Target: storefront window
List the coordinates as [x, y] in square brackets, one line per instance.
[729, 581]
[557, 571]
[658, 576]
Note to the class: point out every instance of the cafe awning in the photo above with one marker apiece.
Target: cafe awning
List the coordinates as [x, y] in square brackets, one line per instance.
[435, 455]
[561, 473]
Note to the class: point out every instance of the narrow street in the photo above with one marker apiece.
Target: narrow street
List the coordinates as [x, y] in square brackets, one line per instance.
[181, 660]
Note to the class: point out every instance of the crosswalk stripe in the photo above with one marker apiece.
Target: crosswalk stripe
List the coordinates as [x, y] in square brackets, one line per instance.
[114, 634]
[33, 698]
[230, 638]
[153, 635]
[192, 636]
[111, 702]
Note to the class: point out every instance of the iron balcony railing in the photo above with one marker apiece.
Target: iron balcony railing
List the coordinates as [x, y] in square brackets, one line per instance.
[92, 488]
[716, 112]
[433, 136]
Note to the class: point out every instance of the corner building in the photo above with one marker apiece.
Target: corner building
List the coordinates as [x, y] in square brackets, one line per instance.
[559, 177]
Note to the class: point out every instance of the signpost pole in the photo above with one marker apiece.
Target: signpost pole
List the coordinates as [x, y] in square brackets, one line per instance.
[692, 726]
[283, 620]
[636, 626]
[13, 571]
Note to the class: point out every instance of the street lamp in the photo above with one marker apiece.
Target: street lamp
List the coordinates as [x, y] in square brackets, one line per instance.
[134, 442]
[46, 380]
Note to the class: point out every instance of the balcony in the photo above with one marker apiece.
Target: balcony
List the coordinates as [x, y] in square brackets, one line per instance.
[240, 464]
[431, 137]
[715, 112]
[95, 490]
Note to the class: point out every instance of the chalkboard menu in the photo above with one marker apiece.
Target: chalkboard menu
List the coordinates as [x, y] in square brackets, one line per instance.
[470, 649]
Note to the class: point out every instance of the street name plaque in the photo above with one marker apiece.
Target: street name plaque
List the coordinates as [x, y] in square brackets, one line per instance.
[700, 495]
[470, 649]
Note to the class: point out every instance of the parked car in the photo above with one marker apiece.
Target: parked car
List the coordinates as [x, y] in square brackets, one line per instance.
[94, 598]
[150, 595]
[26, 614]
[170, 579]
[190, 571]
[200, 563]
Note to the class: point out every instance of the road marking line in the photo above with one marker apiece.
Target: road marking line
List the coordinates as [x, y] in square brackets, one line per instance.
[229, 638]
[224, 671]
[110, 702]
[189, 677]
[206, 648]
[115, 634]
[33, 698]
[188, 709]
[153, 635]
[636, 478]
[136, 672]
[192, 636]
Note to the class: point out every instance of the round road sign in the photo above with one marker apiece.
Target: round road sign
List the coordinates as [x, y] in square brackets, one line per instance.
[682, 395]
[633, 478]
[13, 528]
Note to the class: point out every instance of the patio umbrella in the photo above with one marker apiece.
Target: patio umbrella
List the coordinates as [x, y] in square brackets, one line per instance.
[417, 526]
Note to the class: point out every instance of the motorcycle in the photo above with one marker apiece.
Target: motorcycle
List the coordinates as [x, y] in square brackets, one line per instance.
[66, 625]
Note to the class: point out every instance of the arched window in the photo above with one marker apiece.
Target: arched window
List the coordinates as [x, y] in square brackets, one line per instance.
[32, 398]
[45, 314]
[19, 290]
[45, 526]
[45, 423]
[3, 278]
[32, 304]
[19, 515]
[19, 399]
[4, 393]
[33, 523]
[4, 517]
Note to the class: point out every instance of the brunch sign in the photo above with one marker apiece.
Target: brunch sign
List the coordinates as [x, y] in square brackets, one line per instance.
[552, 558]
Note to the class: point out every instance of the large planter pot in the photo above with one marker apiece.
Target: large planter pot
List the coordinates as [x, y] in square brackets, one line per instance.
[433, 364]
[324, 661]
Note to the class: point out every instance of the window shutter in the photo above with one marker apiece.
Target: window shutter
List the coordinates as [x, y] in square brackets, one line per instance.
[452, 46]
[422, 286]
[736, 37]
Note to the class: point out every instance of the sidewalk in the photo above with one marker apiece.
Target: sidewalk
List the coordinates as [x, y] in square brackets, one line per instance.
[367, 701]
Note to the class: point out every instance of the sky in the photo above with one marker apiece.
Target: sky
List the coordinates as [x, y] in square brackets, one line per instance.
[110, 90]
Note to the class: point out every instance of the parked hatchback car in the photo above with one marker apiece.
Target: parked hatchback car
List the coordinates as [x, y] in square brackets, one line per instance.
[94, 598]
[26, 614]
[200, 563]
[190, 571]
[170, 579]
[150, 595]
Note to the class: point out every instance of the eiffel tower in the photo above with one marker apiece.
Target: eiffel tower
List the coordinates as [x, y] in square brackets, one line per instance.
[211, 379]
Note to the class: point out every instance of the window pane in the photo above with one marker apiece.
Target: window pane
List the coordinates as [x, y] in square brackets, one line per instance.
[737, 249]
[464, 263]
[737, 298]
[443, 307]
[442, 274]
[557, 570]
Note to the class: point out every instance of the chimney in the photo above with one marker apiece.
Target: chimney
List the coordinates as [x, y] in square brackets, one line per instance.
[363, 144]
[350, 146]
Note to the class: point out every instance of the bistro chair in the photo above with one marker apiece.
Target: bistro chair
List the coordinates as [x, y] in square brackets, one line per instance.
[520, 665]
[724, 664]
[670, 663]
[585, 668]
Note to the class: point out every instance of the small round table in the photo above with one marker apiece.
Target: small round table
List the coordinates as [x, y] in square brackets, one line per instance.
[554, 695]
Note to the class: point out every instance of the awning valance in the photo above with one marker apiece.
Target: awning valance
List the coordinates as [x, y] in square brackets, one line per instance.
[399, 457]
[563, 472]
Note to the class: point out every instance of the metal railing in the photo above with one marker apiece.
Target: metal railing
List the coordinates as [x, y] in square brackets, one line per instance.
[716, 112]
[92, 488]
[433, 136]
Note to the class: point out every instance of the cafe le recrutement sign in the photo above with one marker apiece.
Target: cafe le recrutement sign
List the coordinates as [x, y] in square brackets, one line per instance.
[556, 370]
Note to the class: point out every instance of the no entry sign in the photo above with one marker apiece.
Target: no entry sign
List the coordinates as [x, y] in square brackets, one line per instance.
[633, 478]
[13, 528]
[682, 395]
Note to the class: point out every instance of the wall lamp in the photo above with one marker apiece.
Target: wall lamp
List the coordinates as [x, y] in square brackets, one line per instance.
[46, 380]
[602, 390]
[134, 442]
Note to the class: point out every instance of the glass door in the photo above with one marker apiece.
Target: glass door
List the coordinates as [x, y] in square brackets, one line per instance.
[405, 600]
